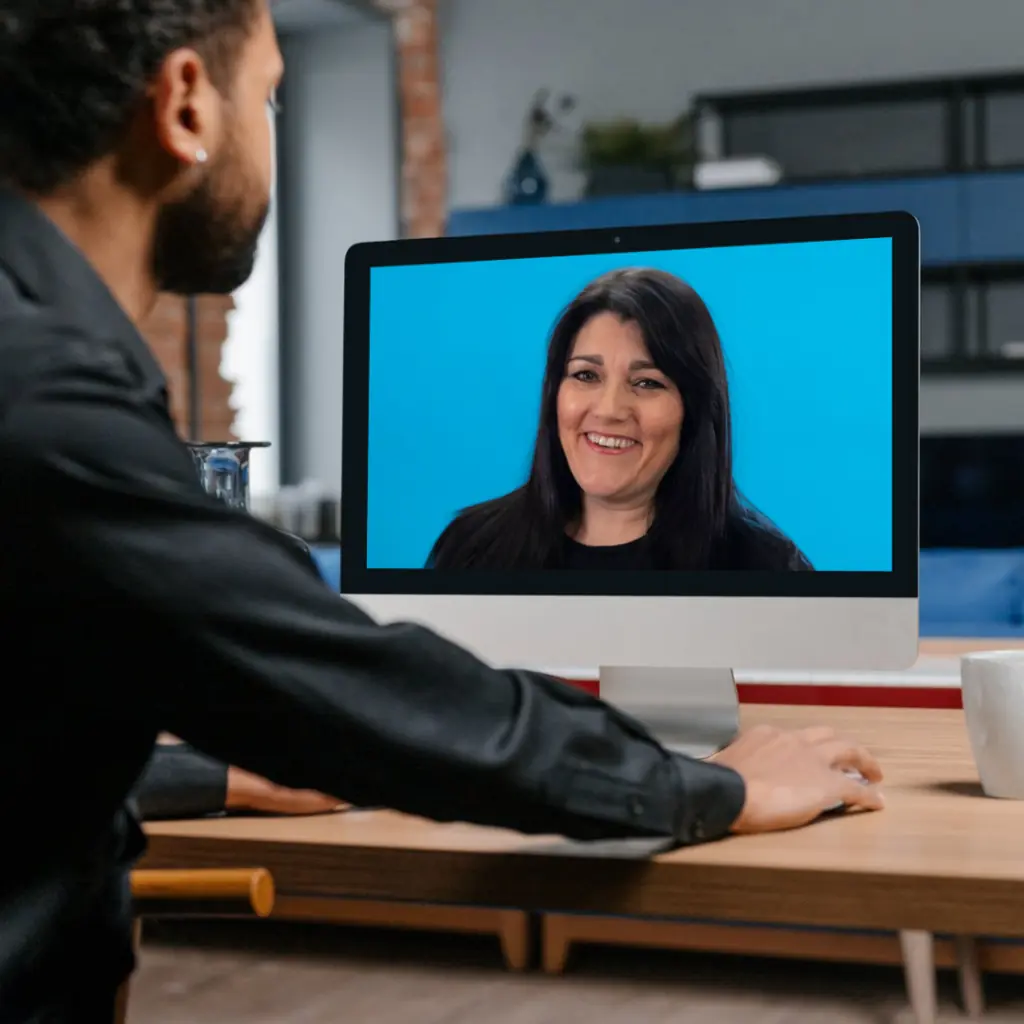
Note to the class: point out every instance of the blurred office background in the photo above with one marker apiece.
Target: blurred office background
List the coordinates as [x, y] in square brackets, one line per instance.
[472, 116]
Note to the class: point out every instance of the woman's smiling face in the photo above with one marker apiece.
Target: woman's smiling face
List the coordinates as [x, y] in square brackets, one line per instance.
[619, 417]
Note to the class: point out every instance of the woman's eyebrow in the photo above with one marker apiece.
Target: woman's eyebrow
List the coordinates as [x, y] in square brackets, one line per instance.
[595, 360]
[642, 364]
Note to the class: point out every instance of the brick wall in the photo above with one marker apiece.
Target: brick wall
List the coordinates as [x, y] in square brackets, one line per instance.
[424, 160]
[212, 332]
[167, 334]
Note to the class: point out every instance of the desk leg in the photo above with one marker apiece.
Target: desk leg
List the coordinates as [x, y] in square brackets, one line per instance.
[972, 992]
[919, 967]
[514, 935]
[555, 943]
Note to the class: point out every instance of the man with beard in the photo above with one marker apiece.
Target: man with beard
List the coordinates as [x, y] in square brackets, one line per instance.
[136, 154]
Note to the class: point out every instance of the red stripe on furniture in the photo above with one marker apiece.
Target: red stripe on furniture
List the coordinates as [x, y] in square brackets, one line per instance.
[928, 697]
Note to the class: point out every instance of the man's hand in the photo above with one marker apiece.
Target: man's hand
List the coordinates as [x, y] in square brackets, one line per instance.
[248, 792]
[793, 777]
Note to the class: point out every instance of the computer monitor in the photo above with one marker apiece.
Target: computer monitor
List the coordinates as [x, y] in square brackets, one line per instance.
[685, 447]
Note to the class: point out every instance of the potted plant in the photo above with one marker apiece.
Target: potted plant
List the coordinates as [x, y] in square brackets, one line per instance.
[626, 156]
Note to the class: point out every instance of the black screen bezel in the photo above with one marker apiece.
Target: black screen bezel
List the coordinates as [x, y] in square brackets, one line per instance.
[900, 582]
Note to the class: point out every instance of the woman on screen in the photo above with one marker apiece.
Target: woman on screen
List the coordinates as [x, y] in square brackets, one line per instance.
[632, 466]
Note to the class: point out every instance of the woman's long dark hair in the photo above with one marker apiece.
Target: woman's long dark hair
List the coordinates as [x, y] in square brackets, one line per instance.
[696, 498]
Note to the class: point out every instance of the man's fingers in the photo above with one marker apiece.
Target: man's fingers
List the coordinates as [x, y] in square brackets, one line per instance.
[856, 795]
[845, 754]
[318, 803]
[291, 801]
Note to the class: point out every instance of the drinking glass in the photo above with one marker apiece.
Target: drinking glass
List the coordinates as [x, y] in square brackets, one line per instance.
[223, 468]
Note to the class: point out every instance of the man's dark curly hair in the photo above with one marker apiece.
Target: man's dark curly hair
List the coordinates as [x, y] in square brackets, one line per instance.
[73, 73]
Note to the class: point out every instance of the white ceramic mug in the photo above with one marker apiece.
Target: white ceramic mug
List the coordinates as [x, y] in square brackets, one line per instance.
[993, 693]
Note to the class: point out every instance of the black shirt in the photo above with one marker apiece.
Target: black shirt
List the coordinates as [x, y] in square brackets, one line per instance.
[133, 603]
[635, 556]
[751, 543]
[180, 782]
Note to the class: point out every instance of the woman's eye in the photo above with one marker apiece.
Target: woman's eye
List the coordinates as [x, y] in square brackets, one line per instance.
[585, 376]
[647, 383]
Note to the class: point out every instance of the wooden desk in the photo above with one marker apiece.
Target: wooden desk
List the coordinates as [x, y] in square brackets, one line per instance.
[941, 859]
[954, 648]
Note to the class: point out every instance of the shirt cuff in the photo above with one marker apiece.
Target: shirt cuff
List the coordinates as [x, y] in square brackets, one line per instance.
[179, 782]
[713, 798]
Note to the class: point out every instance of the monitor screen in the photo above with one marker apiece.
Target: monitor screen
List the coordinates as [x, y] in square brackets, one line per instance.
[694, 418]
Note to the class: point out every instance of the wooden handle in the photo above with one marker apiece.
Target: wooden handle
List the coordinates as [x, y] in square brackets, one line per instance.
[208, 893]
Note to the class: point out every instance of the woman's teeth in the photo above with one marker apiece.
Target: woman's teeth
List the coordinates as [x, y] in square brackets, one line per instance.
[604, 441]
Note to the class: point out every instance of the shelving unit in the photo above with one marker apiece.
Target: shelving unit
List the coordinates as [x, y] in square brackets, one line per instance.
[963, 178]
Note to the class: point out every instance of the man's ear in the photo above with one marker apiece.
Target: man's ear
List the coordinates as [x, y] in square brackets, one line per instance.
[186, 108]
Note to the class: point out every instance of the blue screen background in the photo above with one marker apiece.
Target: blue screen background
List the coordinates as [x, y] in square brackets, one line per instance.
[457, 357]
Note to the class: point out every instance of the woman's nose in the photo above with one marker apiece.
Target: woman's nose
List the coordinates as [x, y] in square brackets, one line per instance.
[612, 403]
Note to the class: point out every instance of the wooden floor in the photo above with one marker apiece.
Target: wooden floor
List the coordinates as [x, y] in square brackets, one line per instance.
[259, 973]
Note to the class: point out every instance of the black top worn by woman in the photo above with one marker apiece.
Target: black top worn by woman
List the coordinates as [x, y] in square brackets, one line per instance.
[749, 545]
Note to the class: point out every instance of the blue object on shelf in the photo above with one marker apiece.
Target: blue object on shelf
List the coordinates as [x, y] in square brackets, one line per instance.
[527, 183]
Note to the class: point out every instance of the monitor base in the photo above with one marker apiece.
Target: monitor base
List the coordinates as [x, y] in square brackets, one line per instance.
[692, 711]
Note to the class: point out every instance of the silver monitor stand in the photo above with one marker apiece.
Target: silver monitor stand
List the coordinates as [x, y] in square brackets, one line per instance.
[693, 711]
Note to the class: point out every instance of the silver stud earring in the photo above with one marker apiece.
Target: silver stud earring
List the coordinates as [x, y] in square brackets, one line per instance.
[200, 156]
